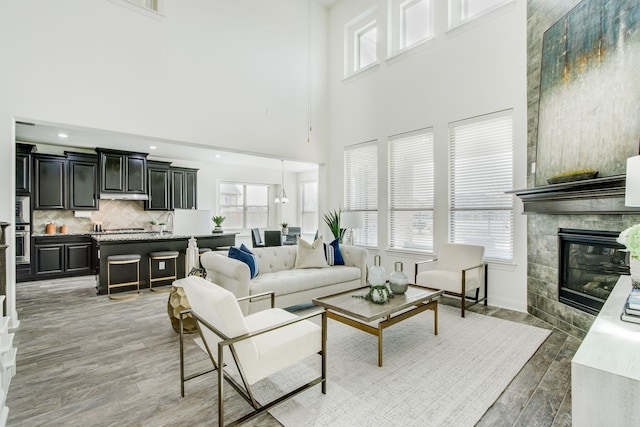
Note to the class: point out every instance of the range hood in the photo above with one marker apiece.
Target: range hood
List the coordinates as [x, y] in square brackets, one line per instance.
[123, 196]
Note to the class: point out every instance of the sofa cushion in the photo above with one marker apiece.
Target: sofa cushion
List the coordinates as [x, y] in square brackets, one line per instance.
[247, 258]
[297, 280]
[310, 255]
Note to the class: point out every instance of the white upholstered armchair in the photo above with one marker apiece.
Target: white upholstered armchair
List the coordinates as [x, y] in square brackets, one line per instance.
[259, 344]
[458, 269]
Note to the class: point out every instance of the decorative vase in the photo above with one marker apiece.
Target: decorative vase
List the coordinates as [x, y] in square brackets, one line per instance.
[285, 231]
[377, 275]
[634, 270]
[398, 280]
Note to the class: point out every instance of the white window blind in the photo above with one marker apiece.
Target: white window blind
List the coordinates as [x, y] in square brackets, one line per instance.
[411, 189]
[361, 190]
[481, 171]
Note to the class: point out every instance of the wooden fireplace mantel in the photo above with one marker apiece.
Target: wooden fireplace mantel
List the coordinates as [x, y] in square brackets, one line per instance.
[590, 196]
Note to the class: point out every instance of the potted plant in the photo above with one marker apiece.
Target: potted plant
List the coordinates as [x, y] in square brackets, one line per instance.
[332, 219]
[218, 220]
[154, 225]
[161, 226]
[285, 229]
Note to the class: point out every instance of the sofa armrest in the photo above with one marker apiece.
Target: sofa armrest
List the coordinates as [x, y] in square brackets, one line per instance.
[355, 256]
[229, 273]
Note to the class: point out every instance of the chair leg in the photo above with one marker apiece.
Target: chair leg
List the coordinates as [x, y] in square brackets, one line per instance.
[486, 297]
[464, 292]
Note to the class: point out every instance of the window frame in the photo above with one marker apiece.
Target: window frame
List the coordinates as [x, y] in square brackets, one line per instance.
[399, 205]
[494, 188]
[244, 206]
[397, 27]
[303, 228]
[367, 177]
[152, 8]
[459, 14]
[352, 31]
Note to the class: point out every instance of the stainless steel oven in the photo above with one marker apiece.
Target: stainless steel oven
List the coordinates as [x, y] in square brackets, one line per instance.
[23, 243]
[23, 230]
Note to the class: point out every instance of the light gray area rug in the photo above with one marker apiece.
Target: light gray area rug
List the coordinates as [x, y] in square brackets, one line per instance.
[426, 380]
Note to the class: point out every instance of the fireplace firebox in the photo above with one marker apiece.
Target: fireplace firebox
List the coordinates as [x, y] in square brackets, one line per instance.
[591, 262]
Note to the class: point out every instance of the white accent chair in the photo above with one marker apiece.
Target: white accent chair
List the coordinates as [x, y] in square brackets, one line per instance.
[457, 269]
[259, 344]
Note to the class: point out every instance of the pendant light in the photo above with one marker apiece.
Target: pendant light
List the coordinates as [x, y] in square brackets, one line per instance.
[282, 197]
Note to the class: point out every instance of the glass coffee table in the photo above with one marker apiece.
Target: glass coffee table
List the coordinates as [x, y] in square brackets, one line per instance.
[360, 313]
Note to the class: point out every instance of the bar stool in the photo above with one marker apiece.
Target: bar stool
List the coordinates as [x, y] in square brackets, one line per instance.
[162, 256]
[123, 260]
[203, 250]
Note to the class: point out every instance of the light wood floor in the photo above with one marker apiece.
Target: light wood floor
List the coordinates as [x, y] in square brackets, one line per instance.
[84, 360]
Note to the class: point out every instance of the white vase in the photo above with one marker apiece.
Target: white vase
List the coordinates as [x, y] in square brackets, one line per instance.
[377, 274]
[634, 270]
[398, 280]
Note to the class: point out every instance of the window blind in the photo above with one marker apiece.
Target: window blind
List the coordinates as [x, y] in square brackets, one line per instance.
[411, 191]
[361, 190]
[481, 171]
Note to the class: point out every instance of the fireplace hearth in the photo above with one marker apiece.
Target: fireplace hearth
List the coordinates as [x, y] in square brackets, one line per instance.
[591, 262]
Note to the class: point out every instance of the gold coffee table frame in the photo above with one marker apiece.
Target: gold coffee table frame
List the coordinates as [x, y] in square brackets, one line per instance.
[358, 312]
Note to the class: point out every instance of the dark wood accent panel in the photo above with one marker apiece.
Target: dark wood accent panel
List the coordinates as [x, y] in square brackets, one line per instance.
[23, 173]
[50, 182]
[591, 196]
[178, 196]
[83, 182]
[49, 259]
[159, 185]
[136, 174]
[144, 247]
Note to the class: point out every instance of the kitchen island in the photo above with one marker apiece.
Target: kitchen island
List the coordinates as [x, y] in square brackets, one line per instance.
[143, 244]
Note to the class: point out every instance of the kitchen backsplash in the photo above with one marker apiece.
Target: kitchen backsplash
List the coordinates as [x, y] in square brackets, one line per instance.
[112, 214]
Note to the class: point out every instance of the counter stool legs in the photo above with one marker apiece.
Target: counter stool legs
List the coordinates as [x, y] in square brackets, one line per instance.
[123, 260]
[159, 256]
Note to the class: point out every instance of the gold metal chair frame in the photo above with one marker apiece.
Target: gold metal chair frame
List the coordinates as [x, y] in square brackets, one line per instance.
[122, 284]
[244, 390]
[463, 294]
[158, 279]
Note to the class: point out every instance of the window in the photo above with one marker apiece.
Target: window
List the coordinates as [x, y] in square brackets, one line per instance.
[361, 190]
[410, 23]
[481, 170]
[309, 209]
[361, 43]
[461, 11]
[244, 205]
[411, 191]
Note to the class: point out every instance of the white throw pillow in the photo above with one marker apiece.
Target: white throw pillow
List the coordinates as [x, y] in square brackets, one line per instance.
[310, 255]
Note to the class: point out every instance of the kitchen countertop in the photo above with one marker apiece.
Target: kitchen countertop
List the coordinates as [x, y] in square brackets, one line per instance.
[144, 235]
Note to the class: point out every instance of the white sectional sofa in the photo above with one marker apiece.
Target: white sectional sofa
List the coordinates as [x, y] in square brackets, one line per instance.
[277, 273]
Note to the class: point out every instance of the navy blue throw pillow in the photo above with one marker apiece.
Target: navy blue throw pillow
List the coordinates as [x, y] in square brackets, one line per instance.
[248, 258]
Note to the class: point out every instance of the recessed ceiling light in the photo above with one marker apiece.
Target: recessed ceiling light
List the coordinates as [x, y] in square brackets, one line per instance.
[63, 135]
[217, 156]
[152, 147]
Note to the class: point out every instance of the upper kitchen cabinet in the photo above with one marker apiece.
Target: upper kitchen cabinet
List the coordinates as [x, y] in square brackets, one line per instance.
[123, 174]
[83, 181]
[23, 168]
[49, 175]
[159, 185]
[185, 188]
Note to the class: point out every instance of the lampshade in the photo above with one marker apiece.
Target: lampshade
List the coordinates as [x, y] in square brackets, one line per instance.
[632, 192]
[350, 220]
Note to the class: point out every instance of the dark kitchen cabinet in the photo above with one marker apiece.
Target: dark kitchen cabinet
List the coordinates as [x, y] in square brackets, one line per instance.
[185, 188]
[50, 177]
[83, 181]
[122, 172]
[23, 168]
[63, 256]
[159, 186]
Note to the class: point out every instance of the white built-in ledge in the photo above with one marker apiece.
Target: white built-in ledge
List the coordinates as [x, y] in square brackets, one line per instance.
[590, 196]
[605, 371]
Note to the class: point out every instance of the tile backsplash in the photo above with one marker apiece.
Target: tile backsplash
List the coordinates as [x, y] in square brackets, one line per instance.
[112, 214]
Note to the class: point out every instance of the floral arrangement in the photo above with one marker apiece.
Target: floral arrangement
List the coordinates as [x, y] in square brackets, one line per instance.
[377, 294]
[630, 238]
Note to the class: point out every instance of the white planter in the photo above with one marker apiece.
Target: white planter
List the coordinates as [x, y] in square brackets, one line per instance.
[634, 269]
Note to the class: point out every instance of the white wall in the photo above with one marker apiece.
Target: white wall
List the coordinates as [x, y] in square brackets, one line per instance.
[476, 69]
[230, 74]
